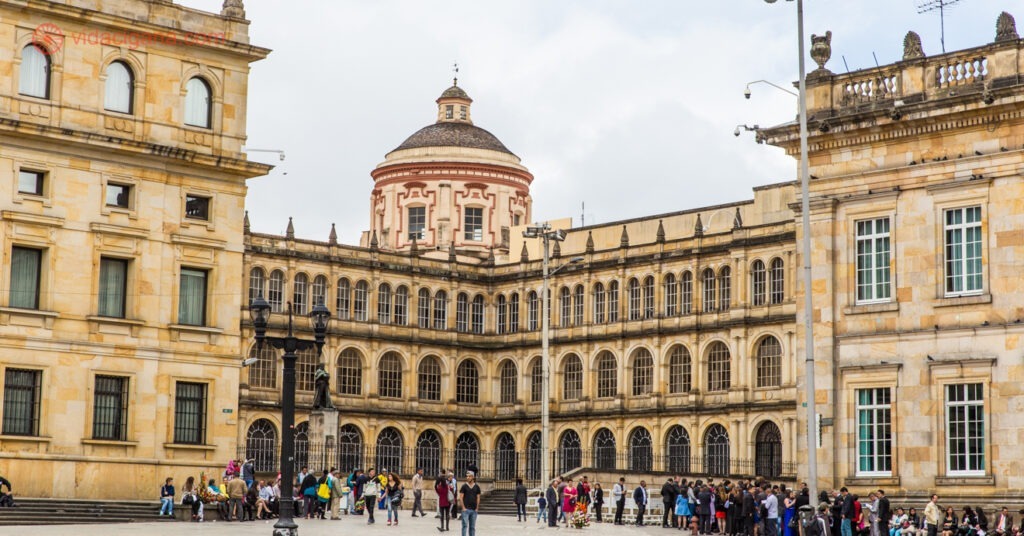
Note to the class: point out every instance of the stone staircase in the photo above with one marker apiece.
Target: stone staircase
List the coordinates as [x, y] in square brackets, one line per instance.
[74, 511]
[499, 502]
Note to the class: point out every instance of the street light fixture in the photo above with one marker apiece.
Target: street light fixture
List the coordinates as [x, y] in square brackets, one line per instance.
[805, 174]
[319, 318]
[746, 92]
[546, 235]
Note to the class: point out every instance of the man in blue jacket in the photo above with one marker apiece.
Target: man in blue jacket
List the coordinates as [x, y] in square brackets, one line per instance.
[640, 498]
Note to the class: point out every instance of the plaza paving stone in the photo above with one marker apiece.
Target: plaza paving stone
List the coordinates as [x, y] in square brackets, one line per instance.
[407, 527]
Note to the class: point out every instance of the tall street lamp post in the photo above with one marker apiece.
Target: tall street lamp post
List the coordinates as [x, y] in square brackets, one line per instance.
[259, 312]
[805, 209]
[546, 235]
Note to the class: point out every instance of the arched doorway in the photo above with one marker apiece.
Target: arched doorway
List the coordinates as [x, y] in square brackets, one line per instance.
[301, 446]
[261, 445]
[533, 456]
[768, 451]
[677, 450]
[716, 451]
[428, 453]
[505, 457]
[467, 455]
[641, 450]
[570, 452]
[389, 451]
[350, 448]
[604, 449]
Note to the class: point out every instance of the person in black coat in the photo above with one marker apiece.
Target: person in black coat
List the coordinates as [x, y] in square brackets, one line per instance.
[884, 514]
[669, 491]
[749, 507]
[704, 499]
[640, 498]
[551, 495]
[520, 500]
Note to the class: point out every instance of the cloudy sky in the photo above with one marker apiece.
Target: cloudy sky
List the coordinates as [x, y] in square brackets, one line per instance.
[627, 106]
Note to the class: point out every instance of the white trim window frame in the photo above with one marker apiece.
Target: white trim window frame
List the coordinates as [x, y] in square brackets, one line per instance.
[965, 429]
[874, 260]
[962, 248]
[874, 437]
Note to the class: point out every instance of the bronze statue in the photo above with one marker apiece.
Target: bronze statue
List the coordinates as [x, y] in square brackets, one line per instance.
[321, 382]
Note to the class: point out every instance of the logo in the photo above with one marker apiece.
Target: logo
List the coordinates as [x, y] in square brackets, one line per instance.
[49, 37]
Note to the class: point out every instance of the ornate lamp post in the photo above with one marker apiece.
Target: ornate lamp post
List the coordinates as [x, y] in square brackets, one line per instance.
[259, 312]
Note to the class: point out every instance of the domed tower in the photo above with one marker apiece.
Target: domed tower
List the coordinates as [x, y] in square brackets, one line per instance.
[450, 182]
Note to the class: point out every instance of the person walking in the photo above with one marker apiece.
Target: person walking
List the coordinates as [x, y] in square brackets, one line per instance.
[417, 493]
[619, 496]
[520, 500]
[393, 497]
[444, 502]
[469, 503]
[568, 502]
[167, 498]
[598, 501]
[669, 490]
[931, 515]
[551, 495]
[370, 491]
[640, 498]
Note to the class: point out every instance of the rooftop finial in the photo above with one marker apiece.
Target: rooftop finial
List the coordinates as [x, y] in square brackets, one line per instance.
[245, 223]
[524, 255]
[234, 9]
[660, 234]
[455, 69]
[698, 227]
[374, 243]
[1006, 28]
[289, 233]
[590, 241]
[333, 237]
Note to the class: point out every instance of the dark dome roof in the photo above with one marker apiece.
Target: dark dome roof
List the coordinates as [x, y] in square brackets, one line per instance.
[452, 134]
[455, 92]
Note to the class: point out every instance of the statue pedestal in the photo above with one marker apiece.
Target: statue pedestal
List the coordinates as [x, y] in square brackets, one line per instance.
[323, 438]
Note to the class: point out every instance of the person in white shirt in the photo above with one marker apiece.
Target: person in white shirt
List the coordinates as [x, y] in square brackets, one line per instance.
[619, 496]
[771, 526]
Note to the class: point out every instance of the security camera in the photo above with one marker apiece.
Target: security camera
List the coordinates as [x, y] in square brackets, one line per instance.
[736, 132]
[746, 93]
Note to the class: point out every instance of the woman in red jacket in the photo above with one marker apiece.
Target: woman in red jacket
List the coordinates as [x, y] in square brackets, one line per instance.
[445, 496]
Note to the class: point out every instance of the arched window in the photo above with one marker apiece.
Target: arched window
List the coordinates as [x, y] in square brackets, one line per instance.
[261, 445]
[513, 313]
[35, 72]
[301, 442]
[344, 299]
[768, 451]
[724, 288]
[275, 294]
[257, 284]
[423, 308]
[509, 382]
[708, 284]
[577, 305]
[502, 307]
[305, 368]
[719, 369]
[359, 301]
[536, 381]
[263, 373]
[677, 450]
[319, 289]
[467, 453]
[680, 371]
[758, 279]
[716, 451]
[532, 311]
[641, 451]
[505, 457]
[599, 300]
[533, 456]
[350, 448]
[607, 375]
[570, 452]
[566, 300]
[462, 313]
[389, 376]
[778, 281]
[118, 88]
[478, 314]
[613, 301]
[686, 293]
[643, 372]
[428, 453]
[572, 378]
[384, 303]
[198, 105]
[389, 451]
[440, 310]
[635, 311]
[402, 305]
[604, 449]
[349, 371]
[671, 295]
[300, 294]
[428, 379]
[467, 383]
[649, 297]
[769, 362]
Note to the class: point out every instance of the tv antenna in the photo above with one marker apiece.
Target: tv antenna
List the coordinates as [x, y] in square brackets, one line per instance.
[928, 6]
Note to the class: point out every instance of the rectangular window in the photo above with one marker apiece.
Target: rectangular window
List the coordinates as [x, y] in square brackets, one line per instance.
[686, 294]
[513, 314]
[190, 413]
[478, 315]
[423, 309]
[30, 182]
[402, 306]
[192, 297]
[532, 311]
[613, 302]
[963, 251]
[634, 300]
[564, 319]
[599, 304]
[515, 220]
[118, 195]
[873, 260]
[21, 402]
[461, 314]
[536, 382]
[25, 275]
[462, 112]
[417, 222]
[874, 431]
[110, 408]
[440, 310]
[113, 287]
[474, 228]
[965, 429]
[197, 207]
[502, 308]
[449, 111]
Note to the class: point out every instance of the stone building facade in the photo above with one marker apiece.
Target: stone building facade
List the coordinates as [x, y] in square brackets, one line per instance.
[123, 189]
[672, 335]
[918, 231]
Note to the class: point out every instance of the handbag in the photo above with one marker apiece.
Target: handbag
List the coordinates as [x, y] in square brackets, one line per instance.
[397, 497]
[792, 523]
[451, 496]
[324, 491]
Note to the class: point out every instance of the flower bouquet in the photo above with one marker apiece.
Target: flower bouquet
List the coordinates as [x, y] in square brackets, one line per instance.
[580, 519]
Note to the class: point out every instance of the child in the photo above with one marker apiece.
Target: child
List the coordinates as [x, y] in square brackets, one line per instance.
[542, 509]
